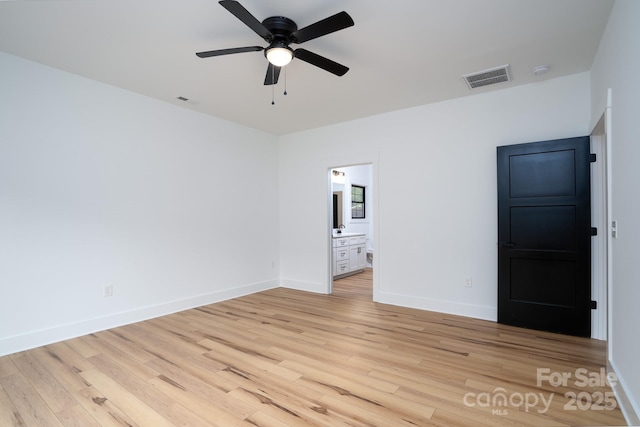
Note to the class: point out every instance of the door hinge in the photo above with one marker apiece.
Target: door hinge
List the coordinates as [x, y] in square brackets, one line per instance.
[592, 158]
[594, 231]
[594, 305]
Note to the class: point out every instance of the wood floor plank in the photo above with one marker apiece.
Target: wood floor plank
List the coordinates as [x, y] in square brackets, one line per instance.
[367, 413]
[289, 358]
[9, 413]
[7, 367]
[44, 382]
[117, 339]
[66, 373]
[373, 395]
[178, 378]
[459, 418]
[30, 406]
[106, 348]
[122, 398]
[238, 355]
[81, 346]
[104, 411]
[76, 416]
[139, 386]
[197, 404]
[288, 411]
[261, 419]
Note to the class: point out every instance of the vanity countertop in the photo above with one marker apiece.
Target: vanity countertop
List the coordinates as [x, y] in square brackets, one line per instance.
[337, 236]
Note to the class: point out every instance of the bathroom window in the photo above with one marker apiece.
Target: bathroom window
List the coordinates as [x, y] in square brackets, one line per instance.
[357, 202]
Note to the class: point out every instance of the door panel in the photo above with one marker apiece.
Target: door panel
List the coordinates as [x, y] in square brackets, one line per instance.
[557, 232]
[541, 281]
[542, 174]
[544, 235]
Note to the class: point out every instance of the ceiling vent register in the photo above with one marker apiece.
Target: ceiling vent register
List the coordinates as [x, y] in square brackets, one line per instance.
[488, 77]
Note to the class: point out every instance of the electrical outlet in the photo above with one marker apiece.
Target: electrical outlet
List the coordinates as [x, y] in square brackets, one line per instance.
[468, 283]
[107, 291]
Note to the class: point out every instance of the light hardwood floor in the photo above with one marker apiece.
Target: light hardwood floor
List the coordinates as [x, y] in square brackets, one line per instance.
[290, 358]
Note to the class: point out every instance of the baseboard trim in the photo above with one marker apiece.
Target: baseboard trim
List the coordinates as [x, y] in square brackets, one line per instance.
[440, 306]
[297, 285]
[626, 405]
[459, 309]
[16, 343]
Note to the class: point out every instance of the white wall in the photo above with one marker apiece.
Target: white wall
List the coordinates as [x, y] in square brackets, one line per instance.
[435, 199]
[616, 66]
[102, 186]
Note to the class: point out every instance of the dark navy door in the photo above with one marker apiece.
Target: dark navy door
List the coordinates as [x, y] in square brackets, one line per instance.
[544, 236]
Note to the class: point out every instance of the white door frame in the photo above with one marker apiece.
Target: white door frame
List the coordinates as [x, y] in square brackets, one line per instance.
[343, 163]
[600, 218]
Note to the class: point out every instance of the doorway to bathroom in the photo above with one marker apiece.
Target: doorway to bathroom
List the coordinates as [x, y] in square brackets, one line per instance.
[351, 231]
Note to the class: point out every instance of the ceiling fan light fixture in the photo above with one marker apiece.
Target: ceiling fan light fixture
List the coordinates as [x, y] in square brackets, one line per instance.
[279, 55]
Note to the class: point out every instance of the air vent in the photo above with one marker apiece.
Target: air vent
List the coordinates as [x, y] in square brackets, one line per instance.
[488, 77]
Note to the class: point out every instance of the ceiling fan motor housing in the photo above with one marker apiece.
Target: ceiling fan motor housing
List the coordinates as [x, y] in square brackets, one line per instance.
[281, 28]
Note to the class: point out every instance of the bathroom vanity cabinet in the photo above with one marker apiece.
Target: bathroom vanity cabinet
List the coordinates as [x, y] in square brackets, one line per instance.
[349, 254]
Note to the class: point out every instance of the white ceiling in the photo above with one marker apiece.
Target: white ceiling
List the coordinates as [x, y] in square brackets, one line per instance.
[401, 53]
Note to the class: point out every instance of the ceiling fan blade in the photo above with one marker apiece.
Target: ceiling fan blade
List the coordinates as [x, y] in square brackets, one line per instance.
[220, 52]
[337, 22]
[247, 18]
[321, 62]
[273, 73]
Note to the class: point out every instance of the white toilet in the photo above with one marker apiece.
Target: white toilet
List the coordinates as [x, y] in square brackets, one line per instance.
[369, 257]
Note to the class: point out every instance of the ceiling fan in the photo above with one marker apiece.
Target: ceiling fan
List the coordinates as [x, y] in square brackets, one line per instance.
[280, 32]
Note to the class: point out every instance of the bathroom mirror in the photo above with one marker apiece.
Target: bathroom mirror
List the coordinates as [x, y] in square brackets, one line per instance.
[337, 209]
[338, 188]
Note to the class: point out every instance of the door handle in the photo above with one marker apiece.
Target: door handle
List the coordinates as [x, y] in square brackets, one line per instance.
[507, 245]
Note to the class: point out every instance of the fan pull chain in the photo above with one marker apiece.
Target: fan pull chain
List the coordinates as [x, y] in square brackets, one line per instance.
[285, 81]
[273, 72]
